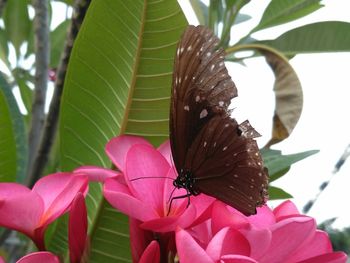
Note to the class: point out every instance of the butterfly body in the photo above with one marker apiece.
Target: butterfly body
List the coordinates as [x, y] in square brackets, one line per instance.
[212, 153]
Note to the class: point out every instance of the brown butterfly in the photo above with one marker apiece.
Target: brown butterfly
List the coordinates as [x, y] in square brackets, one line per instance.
[212, 153]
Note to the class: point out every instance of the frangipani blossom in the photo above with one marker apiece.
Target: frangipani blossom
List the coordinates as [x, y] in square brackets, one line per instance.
[41, 256]
[77, 229]
[228, 245]
[37, 257]
[148, 190]
[279, 235]
[144, 187]
[31, 211]
[151, 253]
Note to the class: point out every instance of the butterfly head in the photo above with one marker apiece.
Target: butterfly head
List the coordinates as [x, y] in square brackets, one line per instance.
[186, 180]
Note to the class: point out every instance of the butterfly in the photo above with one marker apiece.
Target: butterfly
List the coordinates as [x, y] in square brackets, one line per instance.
[212, 153]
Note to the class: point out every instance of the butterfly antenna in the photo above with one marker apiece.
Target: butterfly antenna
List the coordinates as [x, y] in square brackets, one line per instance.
[150, 177]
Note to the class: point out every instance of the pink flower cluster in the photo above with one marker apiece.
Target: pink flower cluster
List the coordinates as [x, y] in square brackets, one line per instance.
[206, 230]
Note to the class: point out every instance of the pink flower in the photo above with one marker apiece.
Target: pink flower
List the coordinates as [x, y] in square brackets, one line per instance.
[279, 235]
[144, 188]
[31, 211]
[41, 256]
[228, 245]
[77, 229]
[151, 253]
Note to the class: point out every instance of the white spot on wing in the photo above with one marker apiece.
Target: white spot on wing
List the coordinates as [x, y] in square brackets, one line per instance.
[212, 67]
[204, 144]
[224, 149]
[187, 108]
[197, 98]
[189, 48]
[203, 114]
[221, 103]
[208, 54]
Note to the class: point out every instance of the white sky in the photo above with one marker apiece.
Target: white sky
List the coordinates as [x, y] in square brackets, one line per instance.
[324, 123]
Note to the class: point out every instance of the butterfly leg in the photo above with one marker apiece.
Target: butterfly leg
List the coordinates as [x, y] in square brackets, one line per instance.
[179, 197]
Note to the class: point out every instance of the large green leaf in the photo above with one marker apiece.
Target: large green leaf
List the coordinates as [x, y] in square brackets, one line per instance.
[4, 50]
[282, 11]
[118, 81]
[17, 22]
[13, 150]
[278, 164]
[331, 36]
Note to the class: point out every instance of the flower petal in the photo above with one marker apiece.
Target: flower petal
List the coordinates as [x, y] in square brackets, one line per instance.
[144, 161]
[170, 223]
[139, 239]
[285, 209]
[264, 218]
[21, 209]
[335, 257]
[223, 217]
[58, 191]
[118, 147]
[151, 253]
[188, 249]
[203, 204]
[42, 256]
[96, 174]
[165, 150]
[320, 244]
[77, 229]
[119, 196]
[237, 259]
[287, 236]
[228, 241]
[259, 240]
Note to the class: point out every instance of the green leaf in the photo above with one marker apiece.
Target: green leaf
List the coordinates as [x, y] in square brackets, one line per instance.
[201, 11]
[332, 36]
[58, 37]
[278, 193]
[118, 81]
[4, 49]
[282, 11]
[13, 145]
[17, 22]
[278, 164]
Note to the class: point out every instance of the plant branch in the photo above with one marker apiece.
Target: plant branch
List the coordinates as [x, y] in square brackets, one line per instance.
[42, 58]
[2, 5]
[50, 128]
[307, 207]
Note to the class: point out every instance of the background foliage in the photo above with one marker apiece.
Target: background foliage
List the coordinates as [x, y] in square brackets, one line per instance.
[118, 81]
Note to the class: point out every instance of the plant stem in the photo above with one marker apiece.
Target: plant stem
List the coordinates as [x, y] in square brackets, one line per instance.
[50, 128]
[2, 5]
[42, 58]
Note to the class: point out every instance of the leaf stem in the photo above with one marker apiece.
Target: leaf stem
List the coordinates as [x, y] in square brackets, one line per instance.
[2, 5]
[42, 58]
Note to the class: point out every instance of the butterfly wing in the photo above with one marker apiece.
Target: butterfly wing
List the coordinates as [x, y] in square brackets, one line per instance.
[226, 164]
[201, 88]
